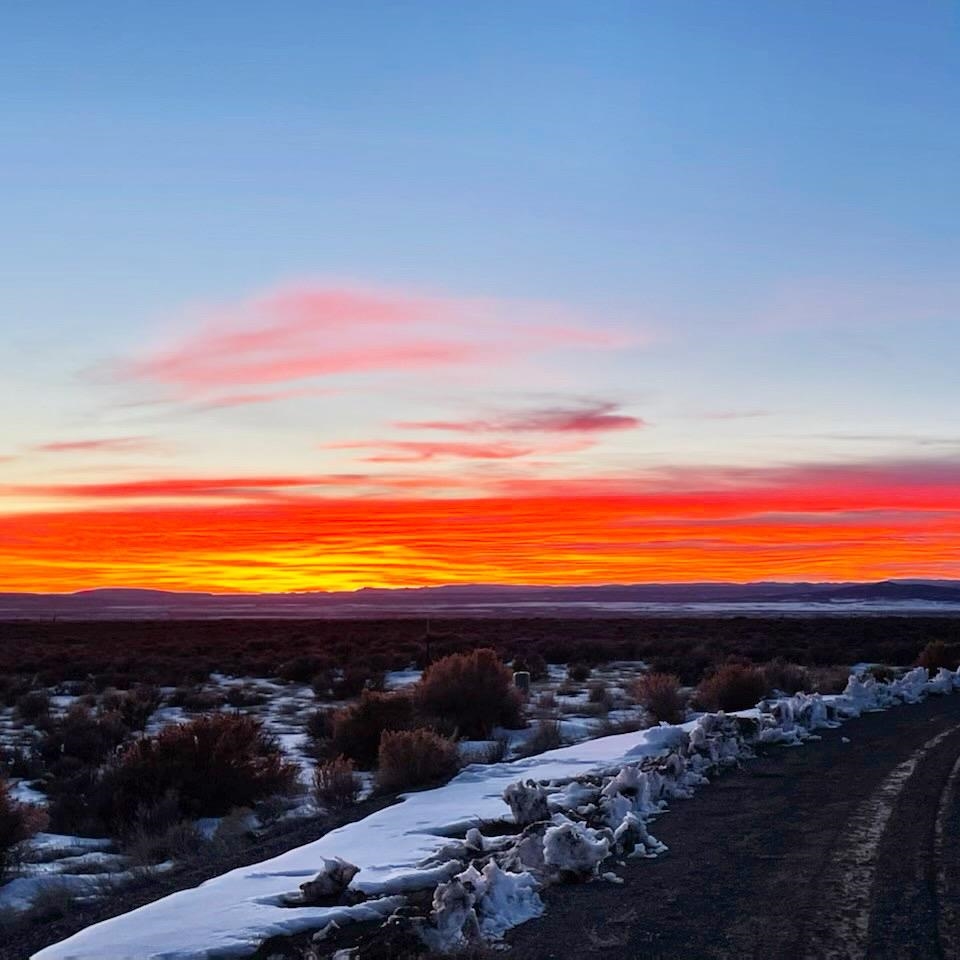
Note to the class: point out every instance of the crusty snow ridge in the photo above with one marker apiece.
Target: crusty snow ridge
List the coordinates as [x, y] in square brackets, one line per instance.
[486, 842]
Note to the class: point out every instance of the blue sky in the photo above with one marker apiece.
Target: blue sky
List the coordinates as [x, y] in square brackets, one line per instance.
[752, 204]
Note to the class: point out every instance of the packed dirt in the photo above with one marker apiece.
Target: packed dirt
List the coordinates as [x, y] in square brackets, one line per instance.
[848, 848]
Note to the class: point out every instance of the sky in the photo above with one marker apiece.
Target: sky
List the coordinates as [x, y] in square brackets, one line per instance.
[301, 296]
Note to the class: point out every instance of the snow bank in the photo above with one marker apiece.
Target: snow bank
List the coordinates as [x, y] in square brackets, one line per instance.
[571, 808]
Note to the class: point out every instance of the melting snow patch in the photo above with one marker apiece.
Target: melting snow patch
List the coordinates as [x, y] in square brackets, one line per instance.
[559, 815]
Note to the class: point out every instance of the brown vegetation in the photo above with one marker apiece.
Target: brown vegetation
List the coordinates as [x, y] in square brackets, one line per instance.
[415, 758]
[659, 694]
[210, 766]
[336, 784]
[735, 686]
[18, 822]
[357, 729]
[474, 691]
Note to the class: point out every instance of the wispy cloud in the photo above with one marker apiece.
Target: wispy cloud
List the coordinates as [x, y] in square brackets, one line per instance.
[733, 414]
[309, 332]
[98, 445]
[416, 451]
[589, 417]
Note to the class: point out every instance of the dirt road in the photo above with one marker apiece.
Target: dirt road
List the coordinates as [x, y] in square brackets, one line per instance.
[848, 848]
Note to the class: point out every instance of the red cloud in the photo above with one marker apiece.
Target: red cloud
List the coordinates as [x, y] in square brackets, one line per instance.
[590, 418]
[308, 332]
[238, 488]
[840, 522]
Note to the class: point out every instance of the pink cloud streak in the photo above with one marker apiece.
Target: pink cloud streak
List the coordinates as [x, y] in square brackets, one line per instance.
[98, 445]
[310, 331]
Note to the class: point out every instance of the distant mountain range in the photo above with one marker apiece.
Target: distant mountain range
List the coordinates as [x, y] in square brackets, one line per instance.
[906, 596]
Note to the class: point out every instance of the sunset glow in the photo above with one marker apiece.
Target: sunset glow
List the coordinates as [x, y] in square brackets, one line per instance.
[546, 298]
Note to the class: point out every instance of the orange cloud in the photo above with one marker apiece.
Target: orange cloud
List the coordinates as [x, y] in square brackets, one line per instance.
[865, 521]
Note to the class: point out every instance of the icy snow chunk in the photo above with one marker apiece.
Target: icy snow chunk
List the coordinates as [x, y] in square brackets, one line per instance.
[505, 900]
[573, 848]
[631, 838]
[481, 904]
[527, 802]
[943, 682]
[332, 880]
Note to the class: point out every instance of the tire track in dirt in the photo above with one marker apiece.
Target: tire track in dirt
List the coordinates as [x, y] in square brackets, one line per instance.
[843, 928]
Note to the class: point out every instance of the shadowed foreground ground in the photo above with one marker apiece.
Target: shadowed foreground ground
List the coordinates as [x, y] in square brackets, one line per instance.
[836, 849]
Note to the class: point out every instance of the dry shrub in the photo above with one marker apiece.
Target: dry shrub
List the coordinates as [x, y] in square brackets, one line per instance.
[474, 691]
[546, 736]
[735, 686]
[18, 822]
[302, 669]
[547, 700]
[356, 678]
[532, 663]
[598, 693]
[52, 901]
[336, 784]
[197, 699]
[578, 672]
[83, 737]
[134, 707]
[319, 724]
[357, 729]
[786, 677]
[659, 694]
[210, 765]
[243, 696]
[180, 841]
[493, 751]
[415, 758]
[829, 679]
[33, 706]
[937, 654]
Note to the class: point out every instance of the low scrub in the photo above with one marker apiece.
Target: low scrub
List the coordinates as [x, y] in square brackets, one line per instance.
[786, 677]
[210, 765]
[578, 672]
[735, 686]
[33, 706]
[474, 691]
[598, 694]
[829, 679]
[82, 738]
[356, 730]
[546, 736]
[197, 699]
[134, 707]
[336, 784]
[415, 758]
[937, 654]
[659, 694]
[18, 822]
[532, 663]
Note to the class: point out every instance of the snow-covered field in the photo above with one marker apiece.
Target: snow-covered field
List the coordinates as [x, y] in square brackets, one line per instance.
[578, 809]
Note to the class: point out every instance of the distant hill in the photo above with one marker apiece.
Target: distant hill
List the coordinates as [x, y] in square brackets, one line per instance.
[497, 600]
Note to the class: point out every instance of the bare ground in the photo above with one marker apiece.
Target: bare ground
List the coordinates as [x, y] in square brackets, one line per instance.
[834, 850]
